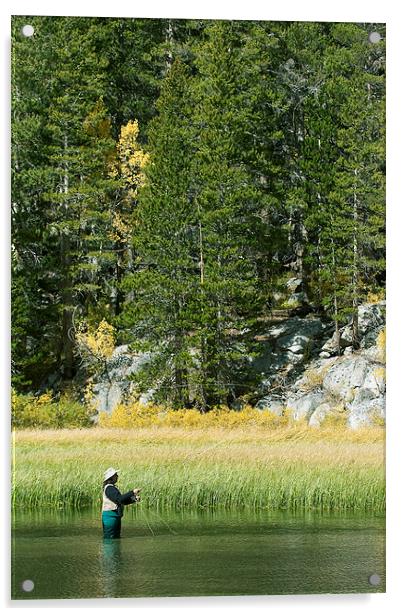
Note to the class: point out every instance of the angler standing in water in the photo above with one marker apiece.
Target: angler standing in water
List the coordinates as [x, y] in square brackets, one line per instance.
[113, 504]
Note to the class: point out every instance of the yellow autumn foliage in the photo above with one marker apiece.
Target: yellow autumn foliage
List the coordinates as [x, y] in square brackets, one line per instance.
[130, 159]
[375, 297]
[48, 411]
[381, 345]
[136, 415]
[121, 229]
[98, 344]
[97, 123]
[127, 167]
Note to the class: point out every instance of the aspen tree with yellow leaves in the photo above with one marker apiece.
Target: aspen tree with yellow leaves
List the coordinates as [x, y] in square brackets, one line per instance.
[128, 170]
[96, 345]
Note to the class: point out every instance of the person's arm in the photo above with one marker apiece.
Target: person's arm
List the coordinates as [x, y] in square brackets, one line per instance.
[116, 497]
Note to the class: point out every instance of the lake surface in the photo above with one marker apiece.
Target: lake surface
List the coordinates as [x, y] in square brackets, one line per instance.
[196, 553]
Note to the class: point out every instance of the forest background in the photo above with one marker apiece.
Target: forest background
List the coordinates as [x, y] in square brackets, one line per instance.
[169, 177]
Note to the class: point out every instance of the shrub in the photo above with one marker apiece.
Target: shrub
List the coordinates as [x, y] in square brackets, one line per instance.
[313, 378]
[137, 415]
[134, 415]
[337, 418]
[44, 411]
[374, 298]
[377, 419]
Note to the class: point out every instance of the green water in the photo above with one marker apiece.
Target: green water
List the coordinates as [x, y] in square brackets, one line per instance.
[193, 554]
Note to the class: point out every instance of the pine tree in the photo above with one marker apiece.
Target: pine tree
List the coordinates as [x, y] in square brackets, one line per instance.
[71, 195]
[34, 313]
[267, 151]
[359, 170]
[163, 286]
[229, 214]
[344, 163]
[134, 66]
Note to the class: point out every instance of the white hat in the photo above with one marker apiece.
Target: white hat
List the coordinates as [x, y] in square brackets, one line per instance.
[110, 472]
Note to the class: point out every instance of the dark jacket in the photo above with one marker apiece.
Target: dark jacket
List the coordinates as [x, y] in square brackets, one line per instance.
[120, 499]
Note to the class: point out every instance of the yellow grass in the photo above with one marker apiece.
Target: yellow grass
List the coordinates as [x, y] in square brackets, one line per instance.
[294, 467]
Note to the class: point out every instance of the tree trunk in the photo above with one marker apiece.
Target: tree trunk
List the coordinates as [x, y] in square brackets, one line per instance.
[335, 300]
[119, 297]
[169, 45]
[203, 354]
[355, 305]
[66, 291]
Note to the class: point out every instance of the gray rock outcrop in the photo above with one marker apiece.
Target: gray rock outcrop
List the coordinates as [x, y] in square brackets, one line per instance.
[371, 320]
[272, 404]
[297, 369]
[319, 414]
[353, 383]
[289, 343]
[114, 385]
[305, 405]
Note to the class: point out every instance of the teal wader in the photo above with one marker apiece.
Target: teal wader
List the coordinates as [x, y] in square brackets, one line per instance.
[112, 510]
[111, 523]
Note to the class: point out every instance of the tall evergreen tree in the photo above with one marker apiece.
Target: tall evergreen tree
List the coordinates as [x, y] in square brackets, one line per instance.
[228, 210]
[163, 286]
[134, 67]
[72, 189]
[343, 160]
[34, 314]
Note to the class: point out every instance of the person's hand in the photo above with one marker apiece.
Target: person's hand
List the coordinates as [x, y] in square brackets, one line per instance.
[137, 491]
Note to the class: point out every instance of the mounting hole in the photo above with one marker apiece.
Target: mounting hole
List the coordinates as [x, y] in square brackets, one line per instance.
[374, 579]
[28, 30]
[28, 585]
[374, 37]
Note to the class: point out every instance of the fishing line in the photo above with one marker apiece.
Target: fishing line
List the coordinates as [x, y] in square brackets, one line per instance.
[163, 521]
[148, 524]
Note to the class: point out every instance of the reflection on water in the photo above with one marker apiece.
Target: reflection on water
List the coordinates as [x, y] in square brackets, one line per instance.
[110, 560]
[196, 553]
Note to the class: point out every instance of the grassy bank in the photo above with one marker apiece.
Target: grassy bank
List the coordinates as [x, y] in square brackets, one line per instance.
[293, 468]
